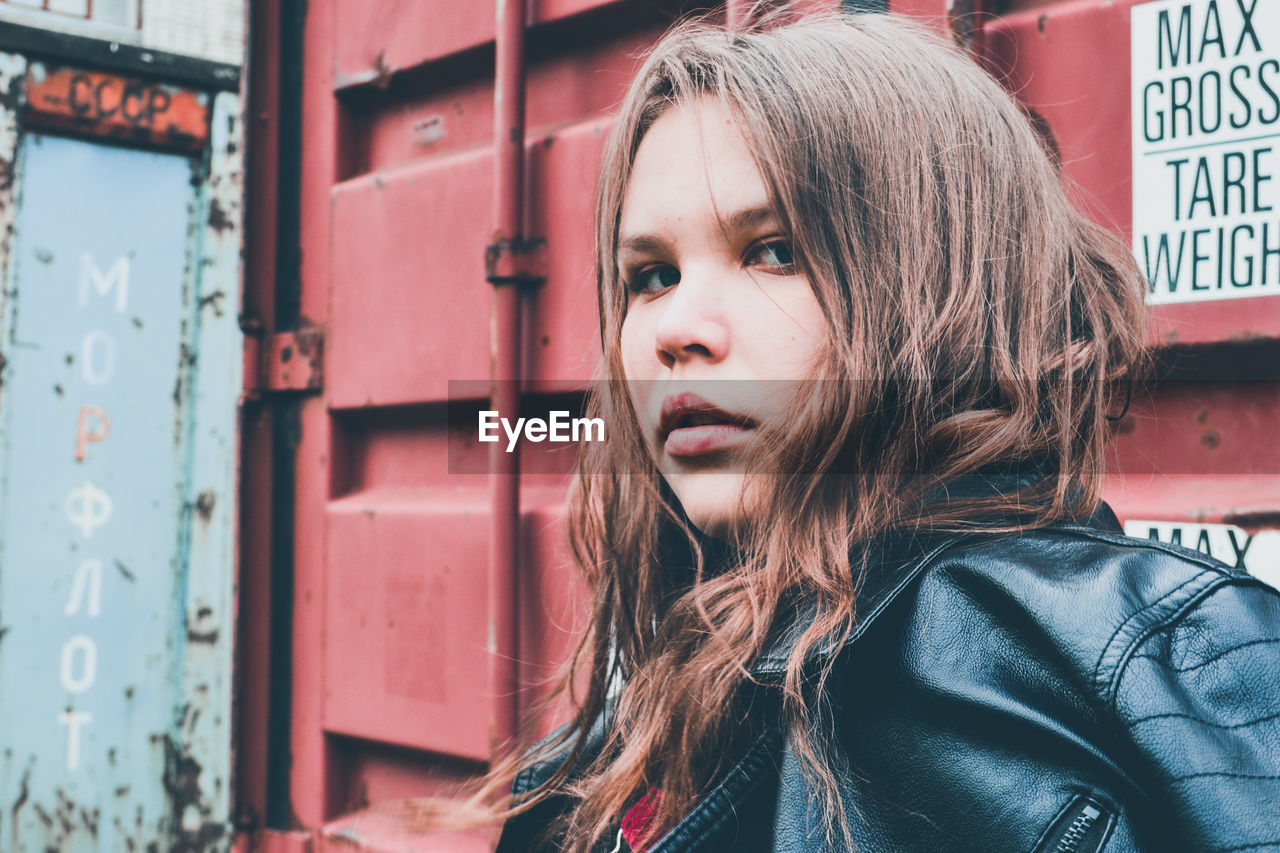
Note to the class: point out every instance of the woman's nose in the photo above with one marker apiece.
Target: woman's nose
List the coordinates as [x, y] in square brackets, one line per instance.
[692, 326]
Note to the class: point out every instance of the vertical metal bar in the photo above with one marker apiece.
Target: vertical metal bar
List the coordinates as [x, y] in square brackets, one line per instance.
[509, 96]
[288, 284]
[285, 430]
[285, 418]
[253, 745]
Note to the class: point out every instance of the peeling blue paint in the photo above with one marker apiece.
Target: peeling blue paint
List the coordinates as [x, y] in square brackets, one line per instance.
[114, 662]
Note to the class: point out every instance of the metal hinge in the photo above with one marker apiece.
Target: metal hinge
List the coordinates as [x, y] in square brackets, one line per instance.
[521, 262]
[284, 362]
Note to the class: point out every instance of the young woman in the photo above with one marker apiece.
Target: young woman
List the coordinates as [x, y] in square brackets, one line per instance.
[854, 585]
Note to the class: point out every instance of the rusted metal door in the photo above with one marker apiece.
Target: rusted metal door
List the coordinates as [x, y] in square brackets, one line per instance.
[363, 537]
[119, 379]
[385, 559]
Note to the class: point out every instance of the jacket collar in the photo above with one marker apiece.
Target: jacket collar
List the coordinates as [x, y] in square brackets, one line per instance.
[900, 557]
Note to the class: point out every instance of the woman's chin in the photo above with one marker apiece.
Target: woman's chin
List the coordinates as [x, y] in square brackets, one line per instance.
[712, 500]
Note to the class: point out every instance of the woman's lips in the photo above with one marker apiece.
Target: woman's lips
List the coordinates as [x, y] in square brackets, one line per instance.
[691, 425]
[701, 440]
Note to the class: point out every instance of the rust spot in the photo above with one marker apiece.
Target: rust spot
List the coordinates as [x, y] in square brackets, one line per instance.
[1254, 523]
[90, 819]
[124, 570]
[57, 389]
[200, 632]
[218, 218]
[308, 344]
[214, 301]
[189, 816]
[196, 636]
[204, 504]
[24, 792]
[1210, 439]
[382, 71]
[65, 812]
[1040, 22]
[1202, 416]
[295, 361]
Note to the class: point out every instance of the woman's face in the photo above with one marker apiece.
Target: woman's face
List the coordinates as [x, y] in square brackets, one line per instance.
[719, 325]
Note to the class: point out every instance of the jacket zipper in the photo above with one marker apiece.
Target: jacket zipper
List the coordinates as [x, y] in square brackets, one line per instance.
[1070, 841]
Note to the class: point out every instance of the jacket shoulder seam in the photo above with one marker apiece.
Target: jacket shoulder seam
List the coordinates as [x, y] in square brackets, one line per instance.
[1177, 551]
[1141, 623]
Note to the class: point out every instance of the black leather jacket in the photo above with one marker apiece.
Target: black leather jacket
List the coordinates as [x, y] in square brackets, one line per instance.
[1066, 690]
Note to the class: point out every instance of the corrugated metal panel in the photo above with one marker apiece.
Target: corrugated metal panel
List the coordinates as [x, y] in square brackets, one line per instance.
[1193, 448]
[388, 547]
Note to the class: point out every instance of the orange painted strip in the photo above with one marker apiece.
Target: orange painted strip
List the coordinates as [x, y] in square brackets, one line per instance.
[116, 107]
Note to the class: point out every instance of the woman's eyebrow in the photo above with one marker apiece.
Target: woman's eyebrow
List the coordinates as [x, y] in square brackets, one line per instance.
[641, 244]
[750, 217]
[739, 220]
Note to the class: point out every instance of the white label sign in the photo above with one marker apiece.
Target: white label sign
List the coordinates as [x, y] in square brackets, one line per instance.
[1205, 81]
[1256, 553]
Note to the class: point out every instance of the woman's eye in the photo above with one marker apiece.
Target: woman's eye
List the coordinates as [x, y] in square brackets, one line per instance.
[654, 278]
[775, 254]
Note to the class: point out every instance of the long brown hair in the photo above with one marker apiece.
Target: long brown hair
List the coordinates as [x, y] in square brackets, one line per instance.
[975, 316]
